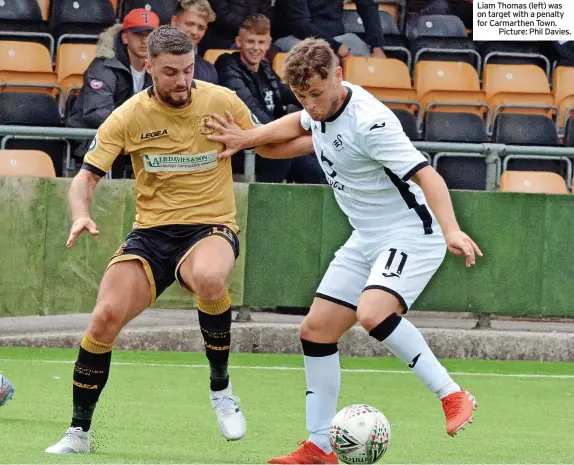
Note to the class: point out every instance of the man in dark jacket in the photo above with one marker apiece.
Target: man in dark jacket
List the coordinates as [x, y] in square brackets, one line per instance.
[296, 20]
[193, 18]
[115, 75]
[254, 81]
[230, 16]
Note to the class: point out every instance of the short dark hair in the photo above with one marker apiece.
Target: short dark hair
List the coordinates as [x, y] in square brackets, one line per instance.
[257, 24]
[308, 58]
[168, 39]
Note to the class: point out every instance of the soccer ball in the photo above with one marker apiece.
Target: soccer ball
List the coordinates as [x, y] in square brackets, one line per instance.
[360, 434]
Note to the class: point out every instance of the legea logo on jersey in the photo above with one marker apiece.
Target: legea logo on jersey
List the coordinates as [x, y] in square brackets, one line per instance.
[177, 162]
[151, 135]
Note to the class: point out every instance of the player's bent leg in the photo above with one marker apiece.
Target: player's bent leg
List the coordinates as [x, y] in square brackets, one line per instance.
[320, 331]
[206, 271]
[379, 312]
[125, 291]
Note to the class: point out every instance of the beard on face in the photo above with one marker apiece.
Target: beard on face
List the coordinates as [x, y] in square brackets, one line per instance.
[167, 98]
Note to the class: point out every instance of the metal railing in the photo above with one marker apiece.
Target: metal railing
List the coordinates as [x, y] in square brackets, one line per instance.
[492, 153]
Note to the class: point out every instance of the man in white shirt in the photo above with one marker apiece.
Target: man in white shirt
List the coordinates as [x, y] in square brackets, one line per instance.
[403, 221]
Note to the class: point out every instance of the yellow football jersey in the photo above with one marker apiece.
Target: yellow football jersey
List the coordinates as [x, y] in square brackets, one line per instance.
[179, 179]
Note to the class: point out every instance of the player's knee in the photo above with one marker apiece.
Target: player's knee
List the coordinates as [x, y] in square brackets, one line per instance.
[370, 319]
[311, 329]
[208, 286]
[106, 322]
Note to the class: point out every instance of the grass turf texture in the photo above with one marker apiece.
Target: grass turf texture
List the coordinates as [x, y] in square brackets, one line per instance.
[152, 412]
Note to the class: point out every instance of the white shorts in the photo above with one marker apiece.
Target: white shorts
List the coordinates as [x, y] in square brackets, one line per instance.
[401, 265]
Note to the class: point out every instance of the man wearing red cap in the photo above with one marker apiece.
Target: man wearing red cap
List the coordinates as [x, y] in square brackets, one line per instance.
[115, 75]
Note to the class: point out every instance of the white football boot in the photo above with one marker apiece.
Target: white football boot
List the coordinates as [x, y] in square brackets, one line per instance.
[75, 441]
[230, 419]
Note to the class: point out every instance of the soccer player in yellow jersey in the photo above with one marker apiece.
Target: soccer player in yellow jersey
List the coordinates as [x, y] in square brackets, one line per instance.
[185, 227]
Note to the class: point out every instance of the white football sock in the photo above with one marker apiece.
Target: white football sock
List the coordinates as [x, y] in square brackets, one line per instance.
[323, 376]
[408, 344]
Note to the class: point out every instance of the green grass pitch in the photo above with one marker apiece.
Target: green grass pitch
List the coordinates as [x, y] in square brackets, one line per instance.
[155, 409]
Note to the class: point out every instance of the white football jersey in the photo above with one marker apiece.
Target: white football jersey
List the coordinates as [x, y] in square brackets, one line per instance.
[368, 161]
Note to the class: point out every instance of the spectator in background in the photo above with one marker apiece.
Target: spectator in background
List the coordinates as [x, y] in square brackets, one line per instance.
[115, 75]
[253, 79]
[193, 18]
[230, 16]
[298, 19]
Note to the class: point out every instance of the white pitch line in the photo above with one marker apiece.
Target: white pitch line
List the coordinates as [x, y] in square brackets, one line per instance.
[280, 368]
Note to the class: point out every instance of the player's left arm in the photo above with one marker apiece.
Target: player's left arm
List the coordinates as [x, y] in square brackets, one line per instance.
[438, 198]
[385, 141]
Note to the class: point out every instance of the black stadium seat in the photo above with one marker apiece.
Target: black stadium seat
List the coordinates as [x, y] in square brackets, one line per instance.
[409, 123]
[517, 129]
[460, 171]
[435, 26]
[535, 130]
[19, 18]
[32, 109]
[163, 8]
[82, 17]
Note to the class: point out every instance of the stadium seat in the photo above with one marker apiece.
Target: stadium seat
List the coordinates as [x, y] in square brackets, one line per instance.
[22, 20]
[514, 53]
[455, 127]
[163, 8]
[445, 49]
[532, 181]
[529, 130]
[28, 66]
[563, 88]
[436, 26]
[523, 86]
[26, 163]
[24, 109]
[450, 87]
[387, 79]
[459, 170]
[518, 129]
[278, 61]
[390, 7]
[81, 20]
[71, 62]
[408, 122]
[213, 54]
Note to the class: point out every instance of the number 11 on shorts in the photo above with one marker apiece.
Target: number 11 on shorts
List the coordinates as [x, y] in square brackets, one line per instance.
[392, 254]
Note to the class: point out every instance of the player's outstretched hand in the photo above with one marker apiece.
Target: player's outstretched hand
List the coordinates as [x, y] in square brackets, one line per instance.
[79, 226]
[231, 135]
[463, 246]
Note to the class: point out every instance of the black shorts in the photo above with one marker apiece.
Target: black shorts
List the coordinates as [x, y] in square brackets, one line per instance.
[162, 250]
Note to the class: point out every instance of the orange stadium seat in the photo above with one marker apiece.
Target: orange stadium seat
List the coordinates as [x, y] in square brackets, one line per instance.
[278, 61]
[213, 54]
[563, 87]
[525, 85]
[45, 7]
[455, 84]
[24, 64]
[71, 62]
[392, 8]
[387, 79]
[540, 182]
[26, 163]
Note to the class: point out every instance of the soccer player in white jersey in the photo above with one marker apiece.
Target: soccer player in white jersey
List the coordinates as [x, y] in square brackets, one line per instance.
[403, 222]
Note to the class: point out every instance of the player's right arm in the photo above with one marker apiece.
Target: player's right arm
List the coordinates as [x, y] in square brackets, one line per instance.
[108, 143]
[286, 129]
